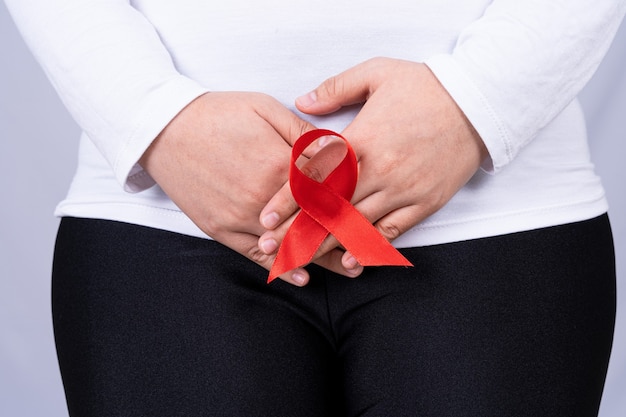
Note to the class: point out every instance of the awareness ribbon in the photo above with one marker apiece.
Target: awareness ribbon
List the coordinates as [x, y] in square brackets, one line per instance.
[326, 208]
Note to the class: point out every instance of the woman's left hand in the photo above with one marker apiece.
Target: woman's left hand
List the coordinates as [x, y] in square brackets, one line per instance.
[415, 147]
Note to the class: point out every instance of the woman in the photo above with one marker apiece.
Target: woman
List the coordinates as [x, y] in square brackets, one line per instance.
[472, 160]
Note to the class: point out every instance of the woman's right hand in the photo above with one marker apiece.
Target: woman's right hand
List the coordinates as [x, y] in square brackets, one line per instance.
[221, 159]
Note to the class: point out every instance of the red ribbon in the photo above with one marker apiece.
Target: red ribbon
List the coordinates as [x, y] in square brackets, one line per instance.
[326, 208]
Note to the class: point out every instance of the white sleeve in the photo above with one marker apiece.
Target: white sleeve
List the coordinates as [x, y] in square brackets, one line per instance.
[518, 66]
[112, 72]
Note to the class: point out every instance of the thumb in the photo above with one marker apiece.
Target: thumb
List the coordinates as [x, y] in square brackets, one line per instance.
[350, 87]
[283, 121]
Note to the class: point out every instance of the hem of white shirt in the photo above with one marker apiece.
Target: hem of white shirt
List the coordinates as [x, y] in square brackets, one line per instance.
[427, 233]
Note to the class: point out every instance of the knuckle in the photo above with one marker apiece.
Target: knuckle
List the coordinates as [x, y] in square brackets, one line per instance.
[326, 248]
[288, 204]
[385, 164]
[433, 201]
[313, 172]
[389, 230]
[257, 256]
[238, 219]
[211, 227]
[331, 87]
[299, 128]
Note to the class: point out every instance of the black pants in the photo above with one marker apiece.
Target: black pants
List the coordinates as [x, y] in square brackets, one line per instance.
[151, 323]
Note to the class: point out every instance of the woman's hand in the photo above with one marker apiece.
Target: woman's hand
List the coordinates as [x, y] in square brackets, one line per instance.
[416, 148]
[221, 160]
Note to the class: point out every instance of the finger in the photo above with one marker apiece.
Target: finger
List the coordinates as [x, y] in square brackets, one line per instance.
[279, 209]
[399, 221]
[391, 227]
[393, 217]
[246, 244]
[298, 277]
[332, 261]
[328, 255]
[350, 87]
[287, 124]
[326, 155]
[270, 241]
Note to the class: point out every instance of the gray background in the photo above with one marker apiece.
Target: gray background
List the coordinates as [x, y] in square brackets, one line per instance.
[38, 143]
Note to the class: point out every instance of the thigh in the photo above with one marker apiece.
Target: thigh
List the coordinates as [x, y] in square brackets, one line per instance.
[153, 323]
[516, 325]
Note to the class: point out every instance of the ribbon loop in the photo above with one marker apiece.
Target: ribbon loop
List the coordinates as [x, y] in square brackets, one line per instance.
[326, 208]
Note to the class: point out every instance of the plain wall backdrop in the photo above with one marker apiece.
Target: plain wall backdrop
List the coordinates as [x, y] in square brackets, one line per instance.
[38, 146]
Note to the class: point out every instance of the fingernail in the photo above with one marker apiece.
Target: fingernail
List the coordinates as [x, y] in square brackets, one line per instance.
[351, 263]
[307, 100]
[269, 246]
[323, 141]
[270, 220]
[299, 278]
[355, 272]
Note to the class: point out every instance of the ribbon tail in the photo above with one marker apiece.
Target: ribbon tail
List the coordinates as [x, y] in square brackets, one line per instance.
[351, 228]
[299, 245]
[365, 243]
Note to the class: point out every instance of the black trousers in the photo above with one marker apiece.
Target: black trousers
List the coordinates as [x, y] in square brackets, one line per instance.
[152, 323]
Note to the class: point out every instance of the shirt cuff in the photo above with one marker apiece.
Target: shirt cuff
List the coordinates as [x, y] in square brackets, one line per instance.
[158, 109]
[476, 108]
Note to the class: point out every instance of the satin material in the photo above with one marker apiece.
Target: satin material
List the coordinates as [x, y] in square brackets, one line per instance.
[326, 209]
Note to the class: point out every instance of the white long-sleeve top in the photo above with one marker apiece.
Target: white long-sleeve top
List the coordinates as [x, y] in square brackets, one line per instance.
[124, 69]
